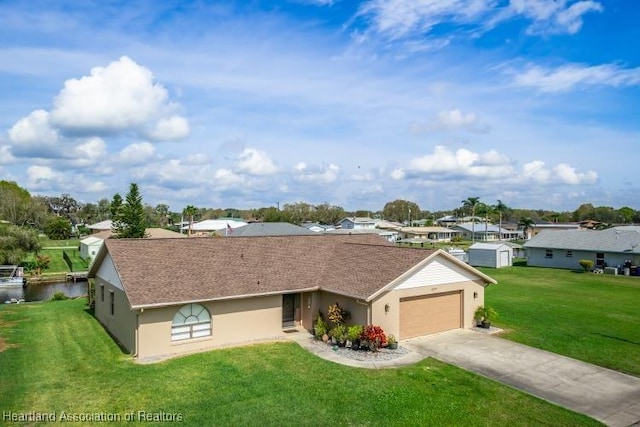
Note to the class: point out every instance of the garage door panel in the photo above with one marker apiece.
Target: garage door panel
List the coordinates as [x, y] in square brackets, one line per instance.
[425, 315]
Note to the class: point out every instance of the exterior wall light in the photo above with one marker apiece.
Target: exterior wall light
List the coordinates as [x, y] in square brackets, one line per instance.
[475, 295]
[387, 307]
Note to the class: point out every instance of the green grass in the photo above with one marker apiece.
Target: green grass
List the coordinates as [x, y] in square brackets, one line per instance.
[57, 264]
[590, 317]
[60, 359]
[45, 242]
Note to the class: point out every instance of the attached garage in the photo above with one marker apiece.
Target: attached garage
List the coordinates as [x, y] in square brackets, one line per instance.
[424, 315]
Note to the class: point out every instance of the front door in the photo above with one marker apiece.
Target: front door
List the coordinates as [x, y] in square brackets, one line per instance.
[288, 310]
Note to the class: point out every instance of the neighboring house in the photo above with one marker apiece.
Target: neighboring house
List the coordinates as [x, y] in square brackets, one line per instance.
[555, 226]
[355, 223]
[612, 247]
[173, 296]
[89, 246]
[100, 226]
[220, 226]
[496, 255]
[447, 221]
[387, 225]
[389, 235]
[317, 228]
[431, 234]
[518, 250]
[486, 232]
[256, 229]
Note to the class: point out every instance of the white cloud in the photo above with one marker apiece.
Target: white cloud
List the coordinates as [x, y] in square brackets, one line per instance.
[568, 76]
[536, 171]
[43, 177]
[443, 161]
[173, 128]
[90, 151]
[32, 136]
[400, 18]
[94, 187]
[225, 178]
[6, 157]
[463, 164]
[453, 120]
[568, 175]
[412, 20]
[552, 16]
[562, 173]
[137, 153]
[325, 174]
[398, 174]
[255, 162]
[119, 97]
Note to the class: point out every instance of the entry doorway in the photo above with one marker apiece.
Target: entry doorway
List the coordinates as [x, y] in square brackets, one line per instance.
[290, 310]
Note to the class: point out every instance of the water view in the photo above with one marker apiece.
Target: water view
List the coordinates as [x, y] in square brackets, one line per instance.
[42, 292]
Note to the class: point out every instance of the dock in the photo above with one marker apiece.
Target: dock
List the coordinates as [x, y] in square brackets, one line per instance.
[78, 275]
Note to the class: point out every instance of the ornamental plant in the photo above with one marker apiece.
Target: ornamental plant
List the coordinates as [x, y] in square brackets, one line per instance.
[586, 264]
[337, 315]
[321, 327]
[354, 332]
[339, 333]
[375, 336]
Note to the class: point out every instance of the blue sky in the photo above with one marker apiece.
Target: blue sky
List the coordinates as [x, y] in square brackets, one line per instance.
[246, 104]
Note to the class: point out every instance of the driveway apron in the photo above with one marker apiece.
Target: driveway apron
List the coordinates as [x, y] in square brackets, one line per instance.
[603, 394]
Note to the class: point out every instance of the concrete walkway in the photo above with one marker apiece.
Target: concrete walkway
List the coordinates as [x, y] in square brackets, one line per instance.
[603, 394]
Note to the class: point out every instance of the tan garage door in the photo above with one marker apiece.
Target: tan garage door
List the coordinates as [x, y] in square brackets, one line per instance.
[424, 315]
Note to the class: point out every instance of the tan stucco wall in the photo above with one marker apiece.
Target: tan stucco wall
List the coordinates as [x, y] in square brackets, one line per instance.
[309, 305]
[233, 322]
[358, 311]
[122, 325]
[390, 321]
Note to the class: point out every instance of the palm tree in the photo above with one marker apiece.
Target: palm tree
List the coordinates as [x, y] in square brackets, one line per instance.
[190, 212]
[526, 224]
[500, 208]
[485, 210]
[472, 202]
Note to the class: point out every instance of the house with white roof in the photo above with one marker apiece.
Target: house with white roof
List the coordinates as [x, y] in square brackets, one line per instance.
[220, 225]
[486, 232]
[316, 227]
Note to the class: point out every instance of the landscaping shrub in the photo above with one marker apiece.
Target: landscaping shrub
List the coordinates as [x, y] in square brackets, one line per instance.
[375, 337]
[337, 315]
[59, 296]
[320, 327]
[586, 264]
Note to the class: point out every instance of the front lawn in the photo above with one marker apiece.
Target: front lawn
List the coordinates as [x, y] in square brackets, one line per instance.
[591, 317]
[56, 357]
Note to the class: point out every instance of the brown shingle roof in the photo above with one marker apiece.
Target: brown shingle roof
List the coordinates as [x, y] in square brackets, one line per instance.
[169, 271]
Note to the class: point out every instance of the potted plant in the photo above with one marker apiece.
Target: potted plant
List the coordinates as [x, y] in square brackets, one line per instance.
[392, 343]
[484, 315]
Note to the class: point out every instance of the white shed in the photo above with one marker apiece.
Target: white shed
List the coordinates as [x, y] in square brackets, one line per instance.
[494, 255]
[89, 246]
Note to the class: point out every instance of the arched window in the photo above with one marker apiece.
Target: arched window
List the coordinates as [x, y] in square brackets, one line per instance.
[191, 321]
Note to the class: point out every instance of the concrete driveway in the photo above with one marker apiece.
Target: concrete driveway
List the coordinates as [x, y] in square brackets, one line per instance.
[603, 394]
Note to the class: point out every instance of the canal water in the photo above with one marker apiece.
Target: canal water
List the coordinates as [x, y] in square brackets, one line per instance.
[43, 291]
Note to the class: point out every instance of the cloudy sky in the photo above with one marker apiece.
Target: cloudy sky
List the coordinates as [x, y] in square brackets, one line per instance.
[246, 104]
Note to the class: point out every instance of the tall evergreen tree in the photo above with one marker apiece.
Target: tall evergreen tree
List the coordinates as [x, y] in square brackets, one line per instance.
[130, 220]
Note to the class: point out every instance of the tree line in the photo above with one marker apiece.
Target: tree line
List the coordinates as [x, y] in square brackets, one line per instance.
[58, 215]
